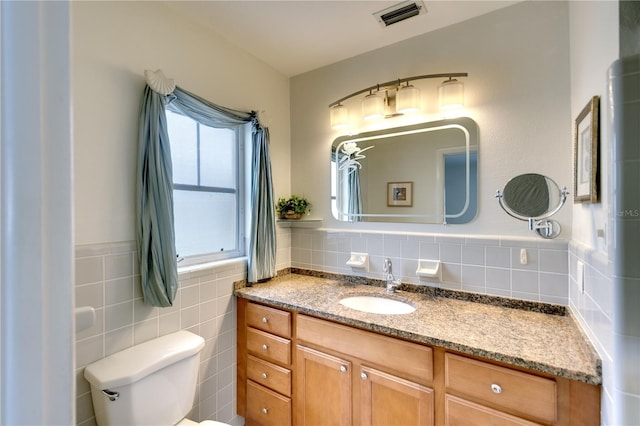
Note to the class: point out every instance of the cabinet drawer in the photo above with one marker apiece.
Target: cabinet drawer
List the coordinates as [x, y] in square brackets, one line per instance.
[408, 360]
[269, 319]
[267, 408]
[269, 375]
[268, 346]
[503, 388]
[459, 412]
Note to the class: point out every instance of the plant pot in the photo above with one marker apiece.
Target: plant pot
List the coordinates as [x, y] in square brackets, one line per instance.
[291, 215]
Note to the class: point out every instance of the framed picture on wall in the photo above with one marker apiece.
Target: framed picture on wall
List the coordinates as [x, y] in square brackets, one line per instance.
[400, 194]
[585, 154]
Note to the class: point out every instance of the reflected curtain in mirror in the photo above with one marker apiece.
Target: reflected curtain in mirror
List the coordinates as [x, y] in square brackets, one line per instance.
[354, 208]
[348, 168]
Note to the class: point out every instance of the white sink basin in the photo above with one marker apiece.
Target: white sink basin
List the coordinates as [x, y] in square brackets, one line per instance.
[377, 305]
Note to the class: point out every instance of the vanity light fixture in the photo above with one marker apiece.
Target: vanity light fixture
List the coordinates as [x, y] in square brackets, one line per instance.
[451, 94]
[405, 98]
[372, 106]
[339, 117]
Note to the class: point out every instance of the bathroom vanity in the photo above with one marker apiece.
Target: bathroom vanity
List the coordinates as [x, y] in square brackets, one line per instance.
[305, 359]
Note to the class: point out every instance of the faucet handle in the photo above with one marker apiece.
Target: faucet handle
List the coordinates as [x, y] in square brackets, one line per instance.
[387, 266]
[393, 284]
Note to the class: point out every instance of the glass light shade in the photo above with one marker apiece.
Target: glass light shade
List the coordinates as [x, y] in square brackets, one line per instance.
[339, 117]
[407, 99]
[451, 94]
[372, 107]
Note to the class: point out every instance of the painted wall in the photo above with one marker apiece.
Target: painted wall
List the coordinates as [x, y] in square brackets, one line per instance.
[113, 43]
[594, 46]
[517, 91]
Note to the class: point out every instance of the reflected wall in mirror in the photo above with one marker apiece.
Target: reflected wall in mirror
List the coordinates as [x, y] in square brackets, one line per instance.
[439, 159]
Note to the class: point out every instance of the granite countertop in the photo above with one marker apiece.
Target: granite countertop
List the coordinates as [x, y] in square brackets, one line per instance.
[547, 343]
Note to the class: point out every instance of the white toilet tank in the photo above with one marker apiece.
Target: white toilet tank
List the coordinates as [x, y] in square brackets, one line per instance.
[153, 383]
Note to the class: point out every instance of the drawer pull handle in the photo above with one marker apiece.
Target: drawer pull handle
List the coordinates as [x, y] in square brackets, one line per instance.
[343, 369]
[496, 388]
[264, 375]
[265, 347]
[265, 410]
[364, 376]
[265, 320]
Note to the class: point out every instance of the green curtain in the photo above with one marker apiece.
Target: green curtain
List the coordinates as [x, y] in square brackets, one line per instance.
[154, 222]
[262, 238]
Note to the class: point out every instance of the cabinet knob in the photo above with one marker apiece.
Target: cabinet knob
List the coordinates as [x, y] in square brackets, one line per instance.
[364, 376]
[265, 410]
[265, 347]
[343, 369]
[264, 375]
[265, 320]
[496, 388]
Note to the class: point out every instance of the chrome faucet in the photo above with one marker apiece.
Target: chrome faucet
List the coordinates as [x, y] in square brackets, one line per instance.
[392, 283]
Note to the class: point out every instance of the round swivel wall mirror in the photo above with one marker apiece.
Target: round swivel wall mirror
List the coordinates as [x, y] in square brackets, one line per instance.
[534, 198]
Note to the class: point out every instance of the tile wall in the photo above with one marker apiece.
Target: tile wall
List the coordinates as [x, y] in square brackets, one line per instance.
[624, 226]
[108, 279]
[486, 265]
[591, 300]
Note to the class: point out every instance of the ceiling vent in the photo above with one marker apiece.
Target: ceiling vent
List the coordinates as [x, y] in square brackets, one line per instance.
[399, 12]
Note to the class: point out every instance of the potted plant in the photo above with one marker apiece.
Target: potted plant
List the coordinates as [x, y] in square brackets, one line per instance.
[293, 207]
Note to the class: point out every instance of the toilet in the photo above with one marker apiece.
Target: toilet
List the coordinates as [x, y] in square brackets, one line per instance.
[153, 383]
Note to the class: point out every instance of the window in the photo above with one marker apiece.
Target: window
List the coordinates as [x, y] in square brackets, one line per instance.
[207, 198]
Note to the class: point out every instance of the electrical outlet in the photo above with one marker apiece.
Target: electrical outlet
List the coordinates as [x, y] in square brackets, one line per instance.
[523, 257]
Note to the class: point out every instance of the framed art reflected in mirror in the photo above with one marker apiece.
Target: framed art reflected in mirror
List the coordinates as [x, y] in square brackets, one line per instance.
[400, 194]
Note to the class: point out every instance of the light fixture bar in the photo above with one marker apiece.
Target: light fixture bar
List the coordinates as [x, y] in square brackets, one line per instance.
[395, 83]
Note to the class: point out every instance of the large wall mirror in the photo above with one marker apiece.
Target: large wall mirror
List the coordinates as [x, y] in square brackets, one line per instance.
[424, 173]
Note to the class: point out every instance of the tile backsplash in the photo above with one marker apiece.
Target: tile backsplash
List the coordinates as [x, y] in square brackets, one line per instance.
[108, 279]
[485, 265]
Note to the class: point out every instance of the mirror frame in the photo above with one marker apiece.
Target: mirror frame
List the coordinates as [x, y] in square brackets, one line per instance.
[467, 125]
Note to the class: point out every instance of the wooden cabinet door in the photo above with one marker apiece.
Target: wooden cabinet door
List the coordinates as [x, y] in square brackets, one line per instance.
[323, 393]
[388, 400]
